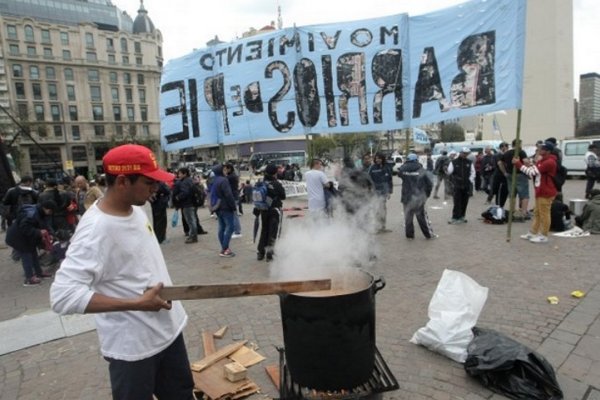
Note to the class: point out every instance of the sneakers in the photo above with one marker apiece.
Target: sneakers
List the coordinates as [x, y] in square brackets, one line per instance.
[434, 236]
[539, 239]
[33, 281]
[260, 256]
[236, 235]
[455, 221]
[191, 239]
[528, 236]
[227, 253]
[44, 275]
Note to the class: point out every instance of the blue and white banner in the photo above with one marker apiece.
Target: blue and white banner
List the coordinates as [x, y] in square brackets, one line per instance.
[362, 76]
[420, 136]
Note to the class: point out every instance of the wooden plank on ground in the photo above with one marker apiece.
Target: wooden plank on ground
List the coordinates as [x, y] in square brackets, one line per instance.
[216, 356]
[212, 382]
[273, 372]
[220, 333]
[246, 356]
[208, 343]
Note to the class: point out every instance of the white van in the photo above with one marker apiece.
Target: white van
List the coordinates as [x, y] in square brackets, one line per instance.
[573, 151]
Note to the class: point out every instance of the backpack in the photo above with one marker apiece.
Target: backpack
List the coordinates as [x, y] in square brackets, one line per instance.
[198, 195]
[495, 215]
[561, 176]
[259, 196]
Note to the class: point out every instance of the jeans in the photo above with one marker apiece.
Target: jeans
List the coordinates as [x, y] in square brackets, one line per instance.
[31, 263]
[189, 213]
[225, 219]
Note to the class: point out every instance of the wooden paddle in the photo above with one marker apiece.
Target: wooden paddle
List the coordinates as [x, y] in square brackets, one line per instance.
[195, 292]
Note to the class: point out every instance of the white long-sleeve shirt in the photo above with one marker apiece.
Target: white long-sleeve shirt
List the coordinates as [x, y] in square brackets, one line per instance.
[117, 257]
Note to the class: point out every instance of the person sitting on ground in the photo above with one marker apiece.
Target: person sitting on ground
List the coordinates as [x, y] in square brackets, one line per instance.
[560, 215]
[590, 217]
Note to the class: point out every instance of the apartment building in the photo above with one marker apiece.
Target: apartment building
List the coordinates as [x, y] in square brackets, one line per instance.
[76, 78]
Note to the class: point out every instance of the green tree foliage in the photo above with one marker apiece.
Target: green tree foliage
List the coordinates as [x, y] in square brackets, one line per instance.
[452, 132]
[589, 129]
[322, 146]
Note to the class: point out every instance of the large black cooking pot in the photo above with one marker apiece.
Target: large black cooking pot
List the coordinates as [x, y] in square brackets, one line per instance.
[329, 336]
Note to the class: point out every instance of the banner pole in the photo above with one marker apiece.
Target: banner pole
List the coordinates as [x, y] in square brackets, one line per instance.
[513, 184]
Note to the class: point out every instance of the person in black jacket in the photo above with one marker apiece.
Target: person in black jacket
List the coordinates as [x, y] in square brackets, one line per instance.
[416, 188]
[29, 231]
[462, 175]
[222, 203]
[270, 219]
[159, 201]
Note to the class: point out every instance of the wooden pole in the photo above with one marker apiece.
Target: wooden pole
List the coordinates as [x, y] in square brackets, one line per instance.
[513, 184]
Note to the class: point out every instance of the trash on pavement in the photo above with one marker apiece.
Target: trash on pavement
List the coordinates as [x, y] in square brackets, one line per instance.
[552, 299]
[453, 311]
[577, 293]
[510, 368]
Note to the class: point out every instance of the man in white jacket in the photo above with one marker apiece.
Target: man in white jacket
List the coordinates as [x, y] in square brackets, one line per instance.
[115, 268]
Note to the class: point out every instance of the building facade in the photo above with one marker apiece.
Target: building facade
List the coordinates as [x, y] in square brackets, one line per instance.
[589, 98]
[76, 78]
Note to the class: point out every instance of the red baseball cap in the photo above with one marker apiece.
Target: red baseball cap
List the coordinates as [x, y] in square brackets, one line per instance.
[130, 159]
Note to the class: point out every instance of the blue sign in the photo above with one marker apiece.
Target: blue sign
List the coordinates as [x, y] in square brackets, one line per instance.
[420, 136]
[372, 75]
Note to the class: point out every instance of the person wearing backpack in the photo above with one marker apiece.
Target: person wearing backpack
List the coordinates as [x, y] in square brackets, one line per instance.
[182, 197]
[17, 196]
[545, 191]
[222, 203]
[269, 212]
[29, 231]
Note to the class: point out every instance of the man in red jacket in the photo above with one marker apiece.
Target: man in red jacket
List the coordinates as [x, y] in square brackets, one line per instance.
[542, 174]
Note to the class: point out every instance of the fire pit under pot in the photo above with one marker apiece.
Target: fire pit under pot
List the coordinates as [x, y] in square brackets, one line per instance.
[329, 336]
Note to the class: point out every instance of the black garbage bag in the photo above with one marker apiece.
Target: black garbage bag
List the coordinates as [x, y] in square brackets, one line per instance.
[509, 368]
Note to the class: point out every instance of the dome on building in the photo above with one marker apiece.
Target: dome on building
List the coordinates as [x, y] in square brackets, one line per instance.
[143, 23]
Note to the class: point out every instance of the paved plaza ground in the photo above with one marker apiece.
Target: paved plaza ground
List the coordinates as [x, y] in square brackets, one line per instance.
[520, 277]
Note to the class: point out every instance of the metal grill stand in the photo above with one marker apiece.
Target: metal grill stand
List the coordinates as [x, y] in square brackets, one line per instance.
[381, 380]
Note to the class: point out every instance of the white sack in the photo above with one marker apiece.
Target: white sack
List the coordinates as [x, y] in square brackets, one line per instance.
[453, 311]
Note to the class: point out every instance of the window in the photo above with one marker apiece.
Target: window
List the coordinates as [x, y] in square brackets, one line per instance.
[68, 74]
[146, 130]
[57, 131]
[50, 73]
[110, 44]
[130, 113]
[47, 53]
[119, 130]
[117, 113]
[37, 91]
[55, 112]
[95, 93]
[127, 78]
[124, 45]
[29, 33]
[39, 112]
[52, 92]
[91, 56]
[113, 77]
[128, 95]
[23, 111]
[45, 36]
[71, 93]
[34, 72]
[112, 59]
[64, 38]
[17, 71]
[75, 132]
[89, 39]
[41, 131]
[131, 130]
[144, 113]
[93, 75]
[125, 60]
[31, 51]
[138, 61]
[159, 51]
[98, 113]
[73, 113]
[142, 95]
[66, 55]
[99, 130]
[140, 79]
[11, 32]
[20, 90]
[13, 49]
[114, 92]
[137, 46]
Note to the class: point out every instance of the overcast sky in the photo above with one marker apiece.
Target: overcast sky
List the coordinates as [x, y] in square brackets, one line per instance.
[189, 24]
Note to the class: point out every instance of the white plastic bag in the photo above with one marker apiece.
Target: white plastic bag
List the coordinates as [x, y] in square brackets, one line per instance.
[453, 311]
